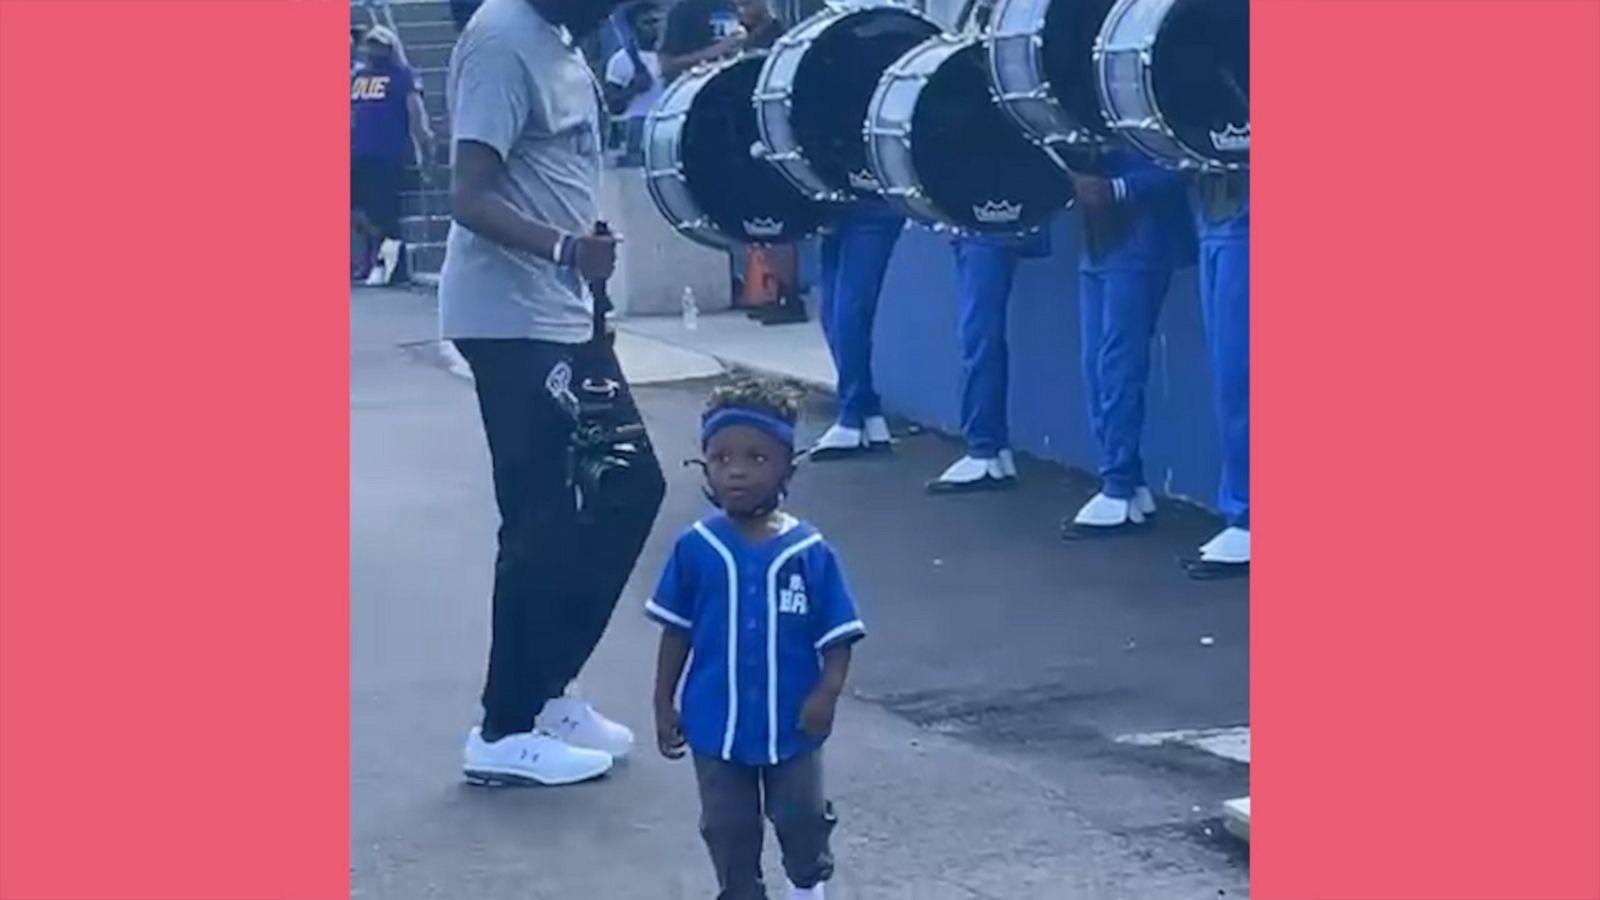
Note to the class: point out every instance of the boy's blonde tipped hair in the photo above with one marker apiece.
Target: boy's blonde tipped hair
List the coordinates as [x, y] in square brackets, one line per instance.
[775, 398]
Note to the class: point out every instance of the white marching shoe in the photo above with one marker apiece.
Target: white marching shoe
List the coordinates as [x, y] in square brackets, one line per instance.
[1103, 515]
[574, 721]
[1144, 501]
[533, 757]
[839, 441]
[970, 473]
[878, 434]
[1225, 556]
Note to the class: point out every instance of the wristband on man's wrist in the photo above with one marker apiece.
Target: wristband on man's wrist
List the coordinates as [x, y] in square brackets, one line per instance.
[563, 247]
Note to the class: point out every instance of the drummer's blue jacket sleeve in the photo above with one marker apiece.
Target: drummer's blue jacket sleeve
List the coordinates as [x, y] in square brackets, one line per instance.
[1146, 185]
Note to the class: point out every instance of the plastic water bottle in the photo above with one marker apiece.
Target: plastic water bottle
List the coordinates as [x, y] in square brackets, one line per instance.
[691, 310]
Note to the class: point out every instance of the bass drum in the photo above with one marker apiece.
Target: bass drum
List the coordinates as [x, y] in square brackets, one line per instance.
[1174, 80]
[1041, 61]
[811, 98]
[948, 155]
[700, 168]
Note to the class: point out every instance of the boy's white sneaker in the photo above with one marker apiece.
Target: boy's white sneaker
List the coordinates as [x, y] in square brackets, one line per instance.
[810, 893]
[530, 758]
[575, 722]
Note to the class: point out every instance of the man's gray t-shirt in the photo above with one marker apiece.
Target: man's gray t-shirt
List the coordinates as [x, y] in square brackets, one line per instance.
[517, 85]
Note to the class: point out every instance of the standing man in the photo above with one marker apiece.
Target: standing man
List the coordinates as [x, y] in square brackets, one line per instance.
[1136, 231]
[515, 298]
[986, 266]
[388, 128]
[1222, 216]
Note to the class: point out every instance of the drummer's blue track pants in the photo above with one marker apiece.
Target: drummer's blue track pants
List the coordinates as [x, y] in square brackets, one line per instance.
[855, 258]
[1119, 309]
[984, 274]
[1225, 302]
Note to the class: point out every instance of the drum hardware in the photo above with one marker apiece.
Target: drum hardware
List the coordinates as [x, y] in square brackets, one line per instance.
[1040, 60]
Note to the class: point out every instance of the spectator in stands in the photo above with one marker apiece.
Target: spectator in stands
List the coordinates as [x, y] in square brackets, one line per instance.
[388, 127]
[699, 31]
[762, 28]
[633, 77]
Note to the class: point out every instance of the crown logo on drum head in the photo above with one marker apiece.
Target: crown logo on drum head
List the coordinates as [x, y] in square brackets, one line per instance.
[763, 227]
[864, 180]
[1232, 138]
[997, 212]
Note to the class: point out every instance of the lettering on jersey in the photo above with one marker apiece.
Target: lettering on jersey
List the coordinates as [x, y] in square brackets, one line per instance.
[792, 599]
[369, 87]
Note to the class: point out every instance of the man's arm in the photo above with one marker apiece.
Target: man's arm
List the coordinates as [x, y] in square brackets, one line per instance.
[476, 206]
[622, 83]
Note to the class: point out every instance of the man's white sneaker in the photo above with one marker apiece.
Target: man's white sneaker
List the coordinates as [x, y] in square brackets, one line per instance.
[575, 722]
[530, 758]
[810, 893]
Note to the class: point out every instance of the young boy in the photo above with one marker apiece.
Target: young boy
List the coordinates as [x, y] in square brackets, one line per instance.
[760, 599]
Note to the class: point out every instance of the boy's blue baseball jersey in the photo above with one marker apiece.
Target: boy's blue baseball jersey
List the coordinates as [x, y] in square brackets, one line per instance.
[758, 618]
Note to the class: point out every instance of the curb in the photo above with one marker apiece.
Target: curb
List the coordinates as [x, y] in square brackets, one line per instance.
[1236, 818]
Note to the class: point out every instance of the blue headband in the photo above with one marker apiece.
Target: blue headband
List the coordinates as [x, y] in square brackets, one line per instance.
[780, 430]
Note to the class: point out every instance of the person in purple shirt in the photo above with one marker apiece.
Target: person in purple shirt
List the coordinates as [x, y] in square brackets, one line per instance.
[388, 129]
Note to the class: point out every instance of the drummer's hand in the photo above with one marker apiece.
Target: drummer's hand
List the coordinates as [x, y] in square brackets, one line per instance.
[595, 256]
[1092, 192]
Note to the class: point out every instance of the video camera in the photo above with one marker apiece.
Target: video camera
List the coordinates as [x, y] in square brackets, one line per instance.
[602, 446]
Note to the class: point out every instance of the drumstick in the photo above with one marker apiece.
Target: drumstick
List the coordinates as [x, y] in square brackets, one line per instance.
[1238, 92]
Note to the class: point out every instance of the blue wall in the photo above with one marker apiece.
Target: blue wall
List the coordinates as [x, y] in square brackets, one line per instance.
[917, 361]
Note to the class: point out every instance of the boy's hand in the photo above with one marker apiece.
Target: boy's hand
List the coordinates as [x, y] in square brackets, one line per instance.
[816, 717]
[669, 732]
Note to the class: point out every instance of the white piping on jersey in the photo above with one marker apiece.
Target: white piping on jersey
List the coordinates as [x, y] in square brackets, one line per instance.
[733, 635]
[850, 627]
[666, 615]
[772, 640]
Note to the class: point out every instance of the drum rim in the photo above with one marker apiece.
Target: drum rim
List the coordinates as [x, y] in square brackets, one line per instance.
[1191, 160]
[778, 96]
[930, 55]
[1079, 133]
[700, 229]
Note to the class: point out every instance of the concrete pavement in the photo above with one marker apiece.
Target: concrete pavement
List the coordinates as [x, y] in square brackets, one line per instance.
[976, 758]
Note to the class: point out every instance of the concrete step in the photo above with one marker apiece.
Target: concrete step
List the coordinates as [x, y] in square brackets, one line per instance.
[430, 56]
[427, 257]
[424, 229]
[410, 12]
[426, 202]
